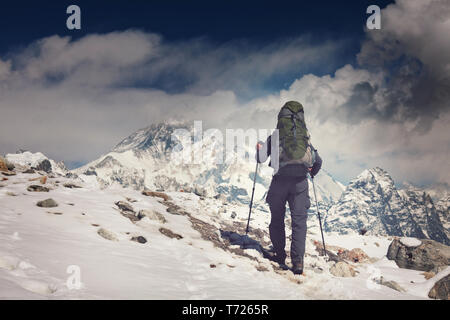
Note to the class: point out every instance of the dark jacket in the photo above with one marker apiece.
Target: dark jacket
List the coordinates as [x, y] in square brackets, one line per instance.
[293, 170]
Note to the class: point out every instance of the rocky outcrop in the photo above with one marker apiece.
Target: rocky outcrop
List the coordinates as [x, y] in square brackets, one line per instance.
[71, 186]
[47, 203]
[122, 205]
[3, 166]
[390, 284]
[441, 289]
[162, 195]
[37, 188]
[429, 255]
[152, 215]
[342, 269]
[169, 233]
[44, 165]
[108, 235]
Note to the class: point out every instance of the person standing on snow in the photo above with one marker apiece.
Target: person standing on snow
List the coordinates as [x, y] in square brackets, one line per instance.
[292, 157]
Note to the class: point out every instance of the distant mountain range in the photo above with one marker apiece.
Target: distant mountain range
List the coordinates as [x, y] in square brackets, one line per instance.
[371, 203]
[145, 160]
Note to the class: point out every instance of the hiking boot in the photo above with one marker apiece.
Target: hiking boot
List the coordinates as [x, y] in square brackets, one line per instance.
[297, 267]
[279, 258]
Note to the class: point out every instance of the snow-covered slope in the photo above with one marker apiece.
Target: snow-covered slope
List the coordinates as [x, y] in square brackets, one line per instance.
[372, 203]
[150, 158]
[82, 249]
[29, 159]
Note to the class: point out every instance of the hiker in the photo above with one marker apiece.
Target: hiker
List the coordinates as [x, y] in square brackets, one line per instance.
[290, 149]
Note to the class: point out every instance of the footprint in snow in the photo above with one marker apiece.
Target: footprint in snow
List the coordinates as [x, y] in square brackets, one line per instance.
[38, 287]
[18, 268]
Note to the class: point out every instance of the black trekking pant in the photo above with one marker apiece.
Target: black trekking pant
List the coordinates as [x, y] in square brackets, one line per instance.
[293, 190]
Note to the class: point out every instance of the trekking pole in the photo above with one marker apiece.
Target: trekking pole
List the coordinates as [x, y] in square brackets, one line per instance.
[318, 213]
[251, 201]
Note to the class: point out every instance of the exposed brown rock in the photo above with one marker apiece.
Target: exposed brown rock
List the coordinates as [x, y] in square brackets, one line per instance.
[8, 173]
[3, 166]
[156, 194]
[441, 289]
[428, 275]
[47, 203]
[124, 206]
[37, 188]
[71, 186]
[108, 235]
[425, 257]
[170, 233]
[342, 269]
[152, 215]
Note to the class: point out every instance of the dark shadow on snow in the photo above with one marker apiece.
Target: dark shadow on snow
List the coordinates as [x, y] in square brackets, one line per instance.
[245, 242]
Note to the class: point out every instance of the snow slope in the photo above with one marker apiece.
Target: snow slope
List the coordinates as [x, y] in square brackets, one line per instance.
[38, 245]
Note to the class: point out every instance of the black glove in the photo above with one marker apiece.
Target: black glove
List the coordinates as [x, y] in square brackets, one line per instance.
[314, 170]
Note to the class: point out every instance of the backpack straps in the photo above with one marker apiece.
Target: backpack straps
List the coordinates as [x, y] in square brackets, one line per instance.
[286, 112]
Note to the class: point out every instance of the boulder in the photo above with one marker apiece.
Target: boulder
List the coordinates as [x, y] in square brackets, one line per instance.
[427, 256]
[108, 235]
[354, 255]
[391, 284]
[37, 188]
[170, 233]
[124, 206]
[342, 269]
[47, 203]
[152, 215]
[71, 186]
[44, 165]
[3, 166]
[441, 289]
[139, 239]
[156, 194]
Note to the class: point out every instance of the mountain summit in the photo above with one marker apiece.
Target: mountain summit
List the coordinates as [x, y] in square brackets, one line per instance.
[372, 204]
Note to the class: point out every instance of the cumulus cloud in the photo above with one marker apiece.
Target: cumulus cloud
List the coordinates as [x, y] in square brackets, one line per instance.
[74, 100]
[413, 50]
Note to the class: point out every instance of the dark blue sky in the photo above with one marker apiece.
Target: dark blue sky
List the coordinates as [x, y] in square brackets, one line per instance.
[220, 21]
[257, 23]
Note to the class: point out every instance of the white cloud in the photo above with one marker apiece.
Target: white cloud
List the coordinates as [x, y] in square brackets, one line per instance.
[76, 99]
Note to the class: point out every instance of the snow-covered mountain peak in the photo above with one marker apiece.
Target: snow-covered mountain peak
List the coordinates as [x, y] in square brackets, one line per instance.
[152, 137]
[29, 159]
[375, 175]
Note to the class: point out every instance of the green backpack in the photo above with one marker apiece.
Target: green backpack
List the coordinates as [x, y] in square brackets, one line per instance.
[294, 139]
